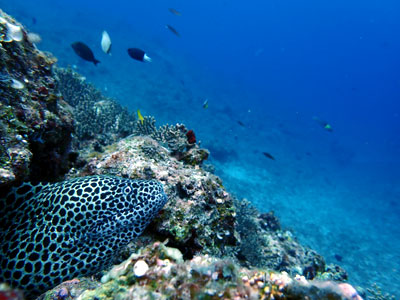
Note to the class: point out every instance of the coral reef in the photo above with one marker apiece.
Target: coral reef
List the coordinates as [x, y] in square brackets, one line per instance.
[180, 141]
[277, 249]
[35, 123]
[174, 137]
[99, 120]
[158, 272]
[376, 294]
[145, 127]
[215, 246]
[38, 126]
[199, 214]
[201, 217]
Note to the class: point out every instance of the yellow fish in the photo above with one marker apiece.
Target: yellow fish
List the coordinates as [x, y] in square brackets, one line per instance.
[140, 117]
[324, 124]
[205, 104]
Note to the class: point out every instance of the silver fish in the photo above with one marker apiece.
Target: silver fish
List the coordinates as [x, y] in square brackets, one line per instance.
[106, 43]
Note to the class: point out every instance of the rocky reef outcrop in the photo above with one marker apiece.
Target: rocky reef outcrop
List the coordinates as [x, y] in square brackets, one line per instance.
[159, 272]
[205, 244]
[99, 120]
[35, 123]
[201, 217]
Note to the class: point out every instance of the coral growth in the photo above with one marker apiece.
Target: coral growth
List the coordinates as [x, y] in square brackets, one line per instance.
[173, 136]
[376, 294]
[99, 120]
[35, 123]
[145, 127]
[276, 249]
[200, 213]
[201, 216]
[191, 137]
[176, 138]
[157, 272]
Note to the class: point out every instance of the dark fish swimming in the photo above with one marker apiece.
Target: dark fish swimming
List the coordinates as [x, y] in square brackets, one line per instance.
[323, 123]
[266, 154]
[84, 52]
[241, 123]
[138, 54]
[174, 12]
[50, 233]
[173, 30]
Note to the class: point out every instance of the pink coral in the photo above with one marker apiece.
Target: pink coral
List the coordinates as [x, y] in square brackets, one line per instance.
[349, 292]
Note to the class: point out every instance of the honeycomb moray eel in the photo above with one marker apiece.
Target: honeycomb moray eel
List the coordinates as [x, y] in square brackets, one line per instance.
[54, 232]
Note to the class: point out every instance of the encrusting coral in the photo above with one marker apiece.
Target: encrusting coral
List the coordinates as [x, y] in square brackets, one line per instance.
[35, 123]
[99, 120]
[180, 141]
[158, 272]
[145, 127]
[201, 216]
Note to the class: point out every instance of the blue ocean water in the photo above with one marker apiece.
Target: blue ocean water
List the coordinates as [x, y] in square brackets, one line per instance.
[267, 68]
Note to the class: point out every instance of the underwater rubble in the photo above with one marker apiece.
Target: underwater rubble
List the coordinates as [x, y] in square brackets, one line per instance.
[205, 243]
[159, 272]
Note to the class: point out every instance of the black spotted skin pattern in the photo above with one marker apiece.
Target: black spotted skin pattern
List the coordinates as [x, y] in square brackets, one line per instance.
[54, 232]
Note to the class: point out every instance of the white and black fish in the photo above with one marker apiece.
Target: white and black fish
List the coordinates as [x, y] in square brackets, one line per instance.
[138, 54]
[106, 43]
[50, 233]
[84, 52]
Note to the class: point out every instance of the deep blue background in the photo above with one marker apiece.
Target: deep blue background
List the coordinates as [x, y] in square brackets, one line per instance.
[271, 65]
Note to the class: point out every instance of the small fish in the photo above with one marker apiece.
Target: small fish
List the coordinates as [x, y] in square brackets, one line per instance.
[138, 54]
[174, 12]
[140, 117]
[323, 123]
[106, 43]
[84, 52]
[205, 104]
[33, 38]
[338, 257]
[266, 154]
[241, 123]
[173, 30]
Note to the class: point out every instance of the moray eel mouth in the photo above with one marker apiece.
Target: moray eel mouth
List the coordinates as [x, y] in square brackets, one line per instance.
[55, 232]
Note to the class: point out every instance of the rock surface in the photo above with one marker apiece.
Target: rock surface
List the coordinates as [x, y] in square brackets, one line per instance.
[201, 217]
[35, 123]
[202, 277]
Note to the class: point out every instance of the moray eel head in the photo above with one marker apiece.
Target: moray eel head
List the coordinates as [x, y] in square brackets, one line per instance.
[50, 233]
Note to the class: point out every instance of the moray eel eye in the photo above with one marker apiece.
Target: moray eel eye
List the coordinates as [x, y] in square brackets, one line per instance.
[127, 190]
